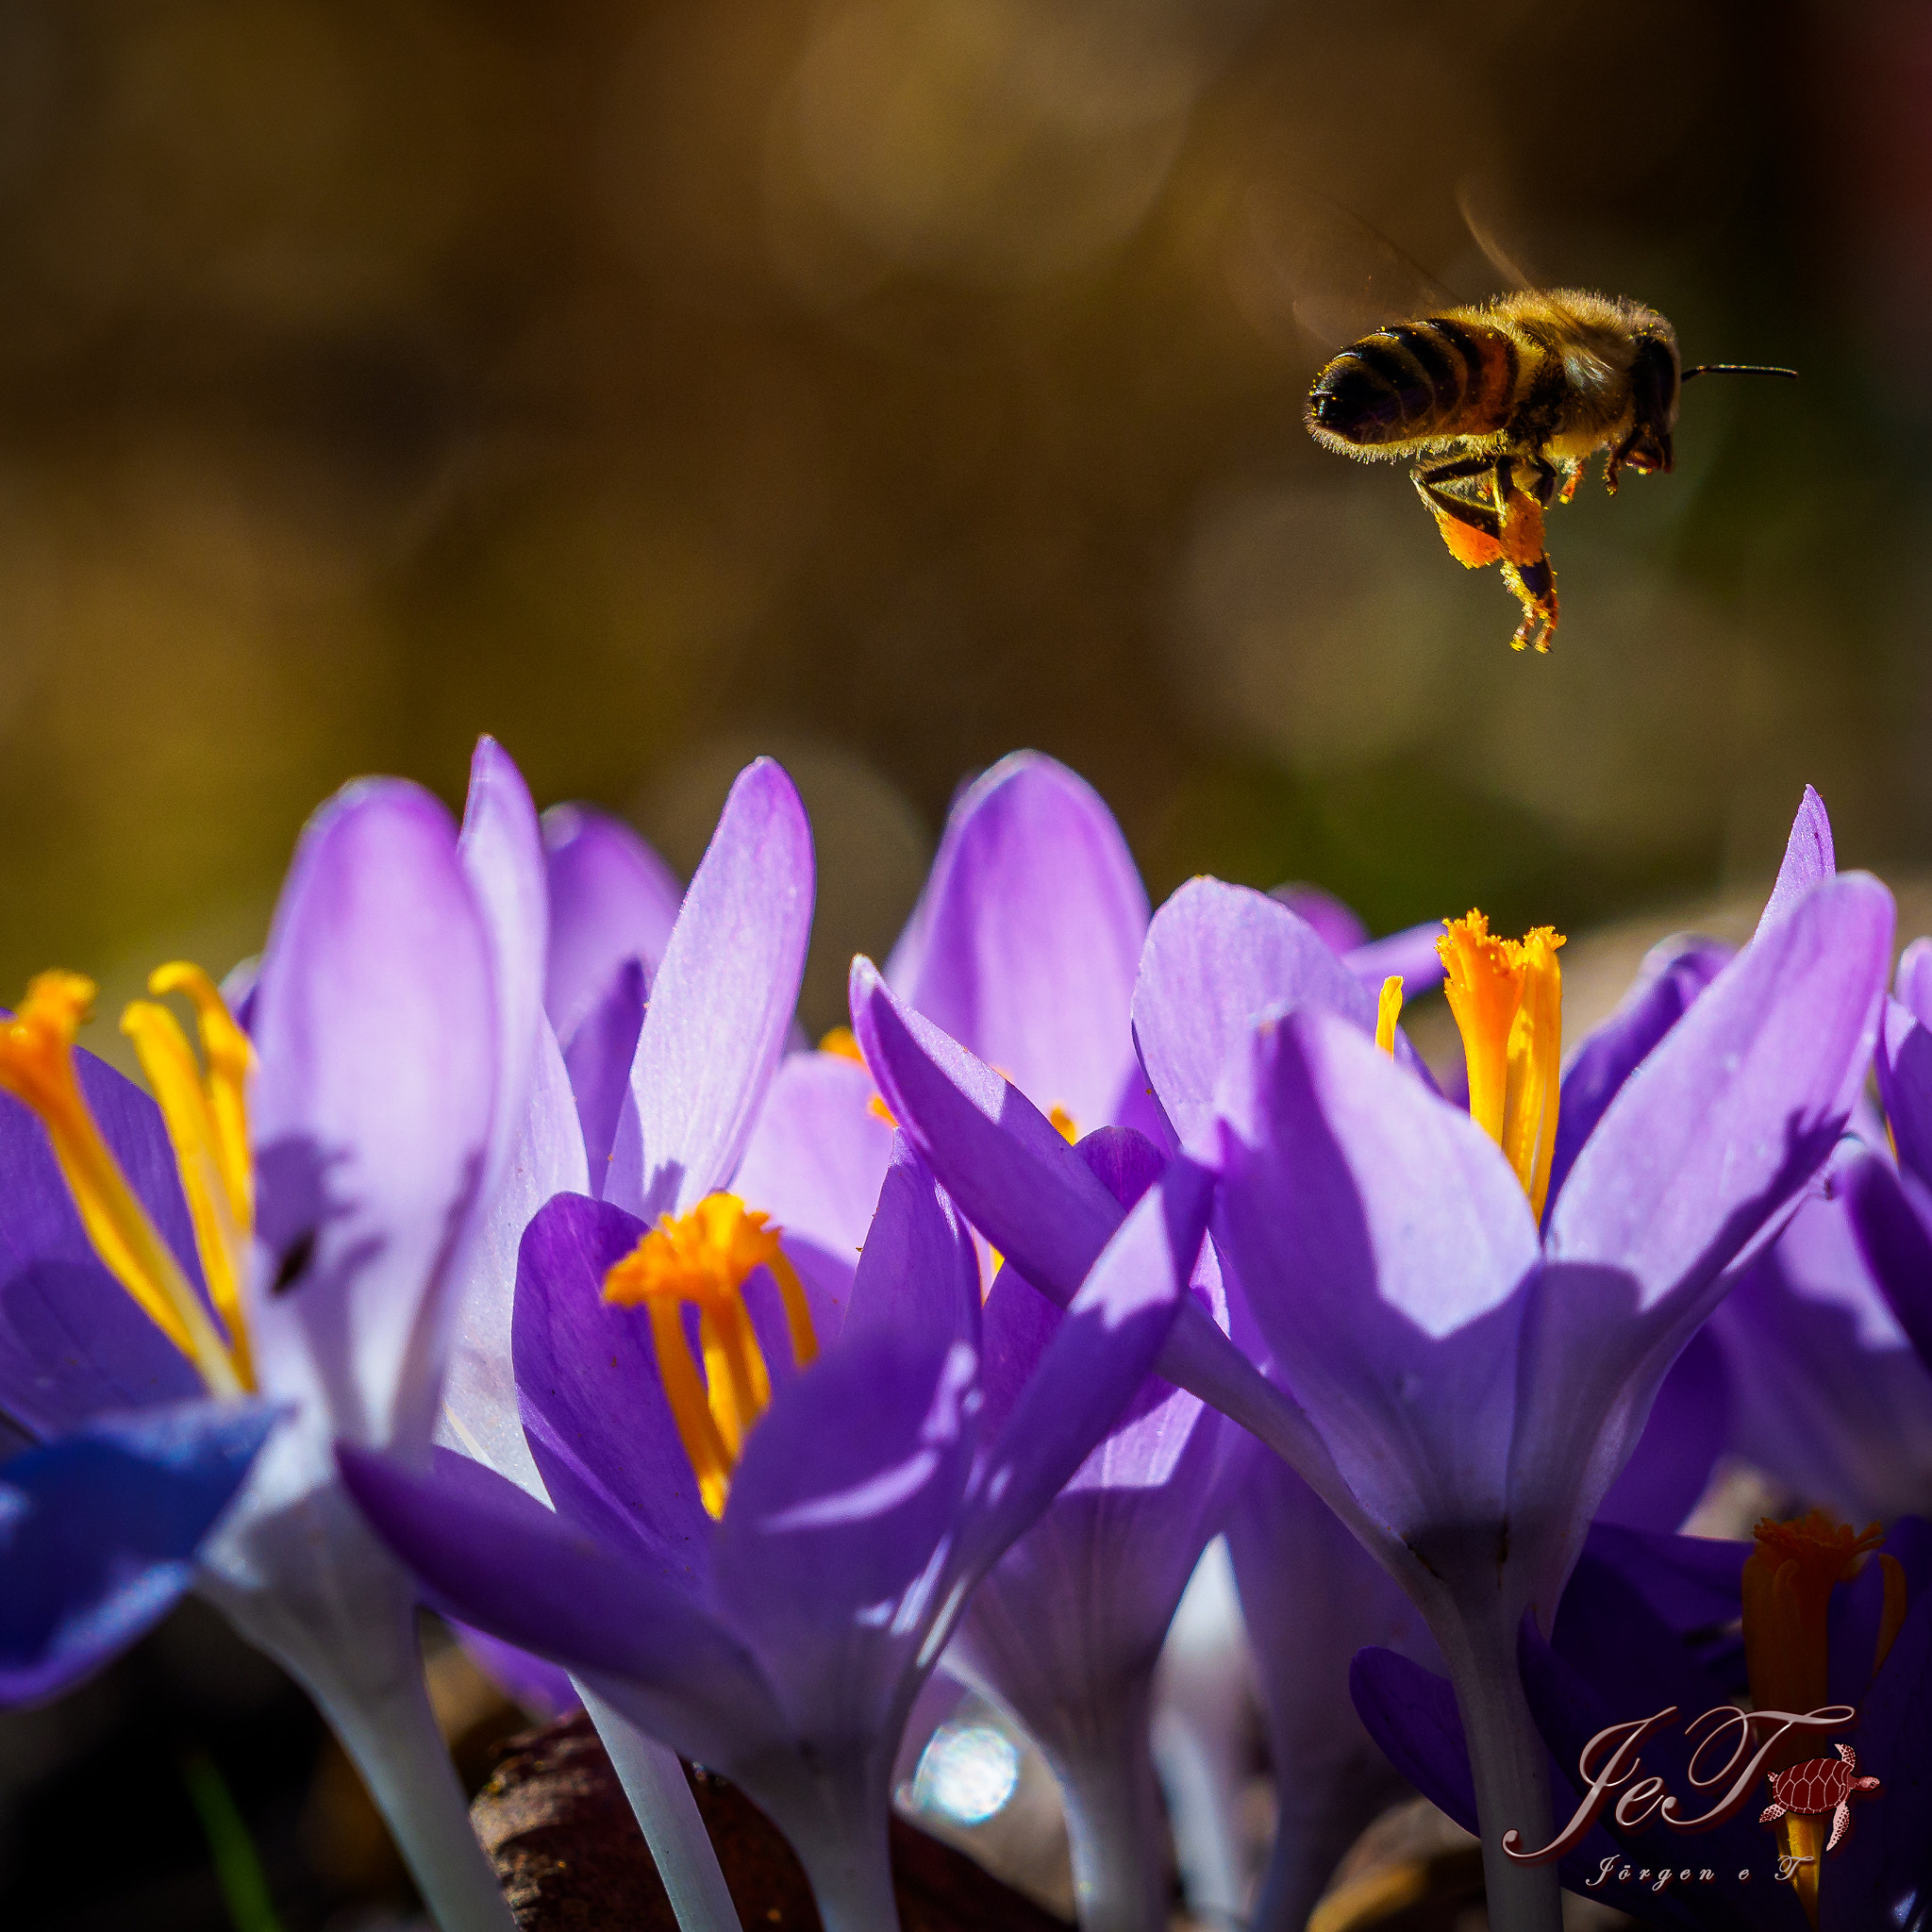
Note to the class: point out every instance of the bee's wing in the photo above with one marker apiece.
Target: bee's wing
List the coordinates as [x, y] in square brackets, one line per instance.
[1299, 260]
[1476, 201]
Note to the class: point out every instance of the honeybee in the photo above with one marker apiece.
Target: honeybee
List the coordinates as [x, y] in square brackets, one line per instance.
[1511, 397]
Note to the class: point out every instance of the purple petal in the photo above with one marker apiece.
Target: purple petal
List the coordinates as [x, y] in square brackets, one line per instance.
[815, 1164]
[1410, 953]
[848, 1489]
[1031, 927]
[611, 899]
[598, 1057]
[1113, 1332]
[543, 1690]
[1217, 958]
[1912, 984]
[721, 1002]
[1692, 1582]
[1904, 1066]
[1411, 1714]
[73, 1341]
[1382, 1241]
[599, 1427]
[501, 851]
[1341, 930]
[375, 1025]
[1675, 973]
[919, 1275]
[1831, 1398]
[98, 1530]
[492, 1557]
[1807, 861]
[1892, 1218]
[480, 1412]
[1010, 1171]
[1737, 1106]
[1689, 1429]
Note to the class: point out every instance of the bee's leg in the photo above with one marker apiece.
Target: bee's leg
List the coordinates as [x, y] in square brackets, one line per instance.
[1471, 530]
[1545, 480]
[1613, 463]
[1535, 587]
[1572, 475]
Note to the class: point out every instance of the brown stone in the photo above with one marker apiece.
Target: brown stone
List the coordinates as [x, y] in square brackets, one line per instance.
[570, 1855]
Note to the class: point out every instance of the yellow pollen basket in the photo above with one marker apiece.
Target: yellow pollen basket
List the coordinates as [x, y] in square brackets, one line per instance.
[206, 1115]
[1506, 996]
[1787, 1582]
[704, 1259]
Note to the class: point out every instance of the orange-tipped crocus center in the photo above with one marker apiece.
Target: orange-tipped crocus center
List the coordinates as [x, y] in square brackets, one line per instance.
[1787, 1582]
[1508, 999]
[704, 1259]
[205, 1110]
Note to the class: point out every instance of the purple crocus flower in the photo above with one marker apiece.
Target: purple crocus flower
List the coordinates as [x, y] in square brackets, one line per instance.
[99, 1529]
[1463, 1387]
[767, 1589]
[651, 1110]
[330, 1167]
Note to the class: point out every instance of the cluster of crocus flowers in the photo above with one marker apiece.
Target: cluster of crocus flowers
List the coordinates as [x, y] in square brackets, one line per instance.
[532, 1267]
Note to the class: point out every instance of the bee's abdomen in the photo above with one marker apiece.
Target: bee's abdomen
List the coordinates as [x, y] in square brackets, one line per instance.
[1413, 380]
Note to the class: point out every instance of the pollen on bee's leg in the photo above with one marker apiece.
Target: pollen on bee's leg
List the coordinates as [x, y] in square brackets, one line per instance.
[1522, 528]
[1471, 548]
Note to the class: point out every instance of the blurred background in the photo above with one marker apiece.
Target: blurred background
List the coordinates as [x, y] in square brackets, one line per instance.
[886, 384]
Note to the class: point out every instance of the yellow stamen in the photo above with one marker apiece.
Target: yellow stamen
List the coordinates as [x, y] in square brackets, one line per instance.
[1787, 1582]
[1508, 999]
[1063, 1125]
[207, 1118]
[1388, 1011]
[704, 1259]
[842, 1042]
[37, 1067]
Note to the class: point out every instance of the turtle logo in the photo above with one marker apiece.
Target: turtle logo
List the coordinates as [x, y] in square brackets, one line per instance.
[1821, 1784]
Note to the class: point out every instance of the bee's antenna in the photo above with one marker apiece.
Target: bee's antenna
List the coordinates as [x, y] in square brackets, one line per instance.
[1735, 369]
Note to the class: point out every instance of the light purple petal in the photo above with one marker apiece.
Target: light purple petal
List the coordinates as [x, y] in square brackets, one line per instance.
[73, 1341]
[599, 1427]
[1690, 1427]
[599, 1058]
[1382, 1241]
[501, 851]
[1010, 1171]
[1341, 930]
[1832, 1399]
[1903, 1064]
[1809, 858]
[543, 1690]
[919, 1275]
[1031, 925]
[480, 1412]
[375, 1025]
[1217, 958]
[1739, 1105]
[815, 1163]
[611, 899]
[1672, 974]
[1410, 953]
[721, 1002]
[1912, 983]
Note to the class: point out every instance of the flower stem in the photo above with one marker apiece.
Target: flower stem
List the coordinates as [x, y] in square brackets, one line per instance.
[654, 1781]
[851, 1874]
[1113, 1815]
[1510, 1767]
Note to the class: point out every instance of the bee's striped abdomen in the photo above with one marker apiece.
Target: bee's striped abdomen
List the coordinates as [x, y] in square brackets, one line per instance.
[1411, 381]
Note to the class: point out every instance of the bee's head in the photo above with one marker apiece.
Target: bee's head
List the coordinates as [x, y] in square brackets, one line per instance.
[1654, 388]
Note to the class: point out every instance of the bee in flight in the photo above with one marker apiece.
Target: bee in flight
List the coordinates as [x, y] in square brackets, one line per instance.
[1504, 402]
